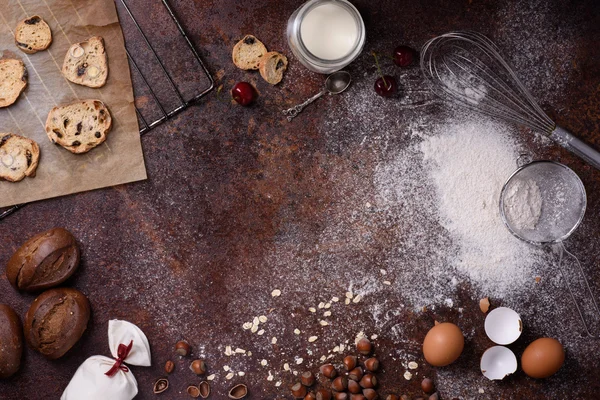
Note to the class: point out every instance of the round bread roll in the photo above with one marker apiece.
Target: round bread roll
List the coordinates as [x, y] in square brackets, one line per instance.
[44, 261]
[11, 341]
[56, 320]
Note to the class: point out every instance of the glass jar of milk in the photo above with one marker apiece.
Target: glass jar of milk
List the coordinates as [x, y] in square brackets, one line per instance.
[326, 35]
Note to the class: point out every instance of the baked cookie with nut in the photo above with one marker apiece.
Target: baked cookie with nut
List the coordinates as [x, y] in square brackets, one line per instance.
[86, 63]
[19, 157]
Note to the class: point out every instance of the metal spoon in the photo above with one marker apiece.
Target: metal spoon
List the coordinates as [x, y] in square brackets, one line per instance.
[336, 83]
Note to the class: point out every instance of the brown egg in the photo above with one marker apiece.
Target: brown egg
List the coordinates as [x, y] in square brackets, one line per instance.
[443, 344]
[542, 358]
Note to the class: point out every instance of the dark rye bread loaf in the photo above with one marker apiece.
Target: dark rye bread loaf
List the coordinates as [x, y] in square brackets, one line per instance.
[19, 157]
[33, 34]
[56, 320]
[79, 126]
[11, 342]
[44, 261]
[13, 80]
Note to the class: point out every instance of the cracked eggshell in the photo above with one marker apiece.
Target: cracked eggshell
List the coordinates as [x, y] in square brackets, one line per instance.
[498, 362]
[503, 325]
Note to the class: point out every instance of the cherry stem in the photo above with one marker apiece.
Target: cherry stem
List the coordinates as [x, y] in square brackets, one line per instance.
[379, 69]
[219, 97]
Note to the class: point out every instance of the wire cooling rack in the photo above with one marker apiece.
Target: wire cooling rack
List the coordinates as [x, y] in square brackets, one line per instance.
[160, 92]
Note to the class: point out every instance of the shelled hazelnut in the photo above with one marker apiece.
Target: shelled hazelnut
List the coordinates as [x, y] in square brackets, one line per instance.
[356, 374]
[323, 394]
[350, 362]
[198, 367]
[182, 348]
[370, 394]
[169, 366]
[364, 346]
[427, 385]
[354, 387]
[298, 390]
[341, 396]
[310, 396]
[368, 381]
[371, 364]
[328, 371]
[340, 384]
[307, 378]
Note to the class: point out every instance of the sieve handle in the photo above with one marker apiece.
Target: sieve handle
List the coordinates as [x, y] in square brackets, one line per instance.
[576, 146]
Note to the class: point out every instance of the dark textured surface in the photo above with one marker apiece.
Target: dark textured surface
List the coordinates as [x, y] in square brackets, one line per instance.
[238, 198]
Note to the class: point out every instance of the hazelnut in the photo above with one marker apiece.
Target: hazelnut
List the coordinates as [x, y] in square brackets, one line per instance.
[368, 381]
[404, 397]
[340, 383]
[193, 391]
[169, 366]
[434, 396]
[364, 346]
[427, 385]
[307, 378]
[350, 362]
[198, 367]
[356, 374]
[298, 390]
[370, 394]
[204, 389]
[372, 364]
[239, 391]
[341, 396]
[357, 397]
[391, 397]
[161, 385]
[328, 371]
[354, 387]
[323, 394]
[310, 396]
[182, 348]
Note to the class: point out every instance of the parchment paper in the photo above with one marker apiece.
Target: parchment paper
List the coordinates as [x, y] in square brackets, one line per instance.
[119, 159]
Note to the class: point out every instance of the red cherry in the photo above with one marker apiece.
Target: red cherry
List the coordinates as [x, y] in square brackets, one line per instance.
[243, 93]
[386, 86]
[403, 56]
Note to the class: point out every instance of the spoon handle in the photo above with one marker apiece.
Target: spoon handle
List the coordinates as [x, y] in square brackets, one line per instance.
[292, 112]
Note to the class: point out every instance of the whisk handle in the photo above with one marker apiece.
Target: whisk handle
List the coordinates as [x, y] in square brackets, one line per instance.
[576, 146]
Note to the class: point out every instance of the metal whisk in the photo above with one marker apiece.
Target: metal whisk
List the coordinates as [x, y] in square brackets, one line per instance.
[467, 68]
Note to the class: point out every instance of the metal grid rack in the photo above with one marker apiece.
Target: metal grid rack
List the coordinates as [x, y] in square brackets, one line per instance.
[164, 112]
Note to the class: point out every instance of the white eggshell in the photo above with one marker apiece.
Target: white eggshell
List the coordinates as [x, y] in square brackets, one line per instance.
[503, 325]
[498, 362]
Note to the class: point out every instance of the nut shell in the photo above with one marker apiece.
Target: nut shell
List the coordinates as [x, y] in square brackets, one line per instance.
[56, 320]
[44, 261]
[238, 392]
[11, 342]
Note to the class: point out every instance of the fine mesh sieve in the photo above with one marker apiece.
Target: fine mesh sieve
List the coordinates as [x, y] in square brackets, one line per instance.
[542, 203]
[563, 202]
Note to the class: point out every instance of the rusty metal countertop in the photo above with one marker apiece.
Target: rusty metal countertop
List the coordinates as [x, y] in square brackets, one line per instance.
[238, 199]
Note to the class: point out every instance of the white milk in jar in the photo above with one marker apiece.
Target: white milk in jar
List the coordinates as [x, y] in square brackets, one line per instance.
[326, 35]
[329, 31]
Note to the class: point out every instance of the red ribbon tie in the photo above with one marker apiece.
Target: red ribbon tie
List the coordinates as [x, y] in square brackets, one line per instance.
[122, 353]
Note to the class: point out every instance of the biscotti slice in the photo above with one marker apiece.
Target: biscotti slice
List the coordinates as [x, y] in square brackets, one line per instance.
[79, 126]
[19, 157]
[272, 66]
[86, 63]
[33, 35]
[248, 52]
[13, 79]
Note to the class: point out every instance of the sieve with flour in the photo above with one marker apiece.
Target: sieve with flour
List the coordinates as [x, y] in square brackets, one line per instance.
[542, 203]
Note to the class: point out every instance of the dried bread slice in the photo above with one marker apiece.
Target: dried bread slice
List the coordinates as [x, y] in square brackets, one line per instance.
[272, 66]
[86, 63]
[33, 35]
[13, 79]
[79, 126]
[19, 157]
[248, 52]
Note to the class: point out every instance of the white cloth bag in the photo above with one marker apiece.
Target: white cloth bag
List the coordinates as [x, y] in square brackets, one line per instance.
[90, 381]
